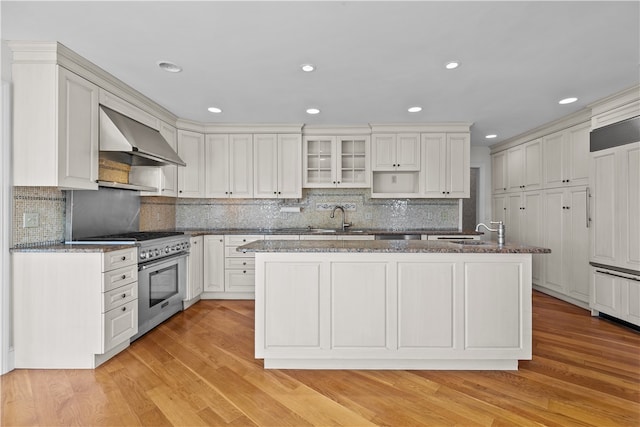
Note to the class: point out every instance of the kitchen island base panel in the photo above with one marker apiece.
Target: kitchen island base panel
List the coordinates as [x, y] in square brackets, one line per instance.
[392, 364]
[393, 311]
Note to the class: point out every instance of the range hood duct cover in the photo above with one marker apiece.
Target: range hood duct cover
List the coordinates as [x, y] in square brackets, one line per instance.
[121, 134]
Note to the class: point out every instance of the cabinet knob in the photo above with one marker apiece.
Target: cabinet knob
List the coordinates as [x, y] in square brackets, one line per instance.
[179, 191]
[123, 258]
[279, 192]
[505, 188]
[244, 263]
[226, 192]
[398, 165]
[244, 271]
[124, 308]
[124, 295]
[274, 192]
[124, 276]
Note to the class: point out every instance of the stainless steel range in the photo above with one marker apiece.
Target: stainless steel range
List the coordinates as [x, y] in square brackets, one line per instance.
[110, 216]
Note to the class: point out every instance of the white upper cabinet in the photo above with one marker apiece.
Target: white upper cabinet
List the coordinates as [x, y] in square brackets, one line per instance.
[229, 166]
[277, 166]
[55, 127]
[499, 172]
[396, 152]
[566, 157]
[446, 165]
[191, 178]
[336, 161]
[524, 166]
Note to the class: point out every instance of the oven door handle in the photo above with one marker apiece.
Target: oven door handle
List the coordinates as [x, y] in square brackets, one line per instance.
[155, 262]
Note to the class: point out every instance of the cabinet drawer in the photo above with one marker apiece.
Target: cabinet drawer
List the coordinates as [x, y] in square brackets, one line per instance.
[240, 281]
[116, 278]
[119, 296]
[121, 258]
[230, 251]
[241, 239]
[241, 263]
[120, 324]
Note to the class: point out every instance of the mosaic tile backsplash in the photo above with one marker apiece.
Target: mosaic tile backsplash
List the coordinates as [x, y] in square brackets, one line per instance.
[49, 204]
[165, 213]
[362, 212]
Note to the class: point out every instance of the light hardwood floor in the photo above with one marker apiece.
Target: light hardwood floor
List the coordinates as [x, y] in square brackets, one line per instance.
[198, 369]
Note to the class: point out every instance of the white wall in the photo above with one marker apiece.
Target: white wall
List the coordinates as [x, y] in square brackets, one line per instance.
[6, 359]
[481, 158]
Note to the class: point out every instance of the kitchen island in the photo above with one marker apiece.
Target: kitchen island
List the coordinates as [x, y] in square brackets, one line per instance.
[392, 304]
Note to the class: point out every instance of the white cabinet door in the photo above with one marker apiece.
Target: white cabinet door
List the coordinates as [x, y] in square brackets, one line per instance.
[290, 166]
[217, 161]
[265, 148]
[554, 210]
[604, 208]
[531, 225]
[553, 149]
[352, 169]
[513, 219]
[577, 154]
[532, 176]
[319, 161]
[629, 207]
[499, 172]
[383, 152]
[241, 166]
[170, 173]
[195, 272]
[458, 164]
[77, 132]
[515, 168]
[214, 263]
[191, 178]
[408, 152]
[434, 168]
[499, 208]
[576, 256]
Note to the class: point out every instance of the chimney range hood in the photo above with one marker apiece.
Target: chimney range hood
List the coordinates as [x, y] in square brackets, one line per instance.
[146, 146]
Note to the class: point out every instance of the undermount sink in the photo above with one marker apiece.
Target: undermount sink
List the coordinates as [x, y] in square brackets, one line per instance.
[468, 242]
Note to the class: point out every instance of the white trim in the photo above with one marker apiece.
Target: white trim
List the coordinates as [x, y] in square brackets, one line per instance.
[6, 350]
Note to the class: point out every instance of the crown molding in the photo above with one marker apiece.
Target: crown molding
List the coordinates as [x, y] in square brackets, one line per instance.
[560, 124]
[420, 127]
[336, 130]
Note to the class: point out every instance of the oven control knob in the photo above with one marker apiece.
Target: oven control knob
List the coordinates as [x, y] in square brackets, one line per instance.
[143, 254]
[166, 249]
[157, 252]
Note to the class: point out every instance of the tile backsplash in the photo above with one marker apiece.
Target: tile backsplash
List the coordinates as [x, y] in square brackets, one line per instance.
[49, 205]
[165, 213]
[362, 211]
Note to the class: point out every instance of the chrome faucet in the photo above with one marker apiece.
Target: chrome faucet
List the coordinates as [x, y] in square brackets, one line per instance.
[499, 230]
[344, 216]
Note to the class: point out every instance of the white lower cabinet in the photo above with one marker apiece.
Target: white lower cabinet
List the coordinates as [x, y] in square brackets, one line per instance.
[616, 294]
[73, 309]
[213, 265]
[565, 231]
[195, 271]
[393, 311]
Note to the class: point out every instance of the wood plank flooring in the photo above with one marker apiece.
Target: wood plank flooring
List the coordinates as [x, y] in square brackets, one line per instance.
[197, 369]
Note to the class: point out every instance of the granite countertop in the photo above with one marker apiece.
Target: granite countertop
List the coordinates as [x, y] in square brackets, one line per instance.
[388, 246]
[309, 230]
[72, 247]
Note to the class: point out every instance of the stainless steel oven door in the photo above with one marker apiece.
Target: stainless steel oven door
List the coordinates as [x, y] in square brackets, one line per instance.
[161, 289]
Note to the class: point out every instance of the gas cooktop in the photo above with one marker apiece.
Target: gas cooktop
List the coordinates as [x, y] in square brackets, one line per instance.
[125, 238]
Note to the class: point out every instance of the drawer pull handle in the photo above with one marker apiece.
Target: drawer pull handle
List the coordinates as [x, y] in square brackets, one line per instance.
[124, 308]
[124, 276]
[124, 295]
[244, 272]
[244, 263]
[123, 258]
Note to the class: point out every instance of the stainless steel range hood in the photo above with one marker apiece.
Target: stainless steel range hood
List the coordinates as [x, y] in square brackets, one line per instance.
[119, 133]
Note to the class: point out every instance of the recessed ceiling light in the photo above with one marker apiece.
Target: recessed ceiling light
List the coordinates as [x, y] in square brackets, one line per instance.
[452, 65]
[313, 111]
[169, 66]
[215, 110]
[491, 136]
[414, 109]
[307, 68]
[567, 100]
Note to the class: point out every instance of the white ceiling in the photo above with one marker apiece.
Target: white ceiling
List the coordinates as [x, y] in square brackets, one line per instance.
[374, 59]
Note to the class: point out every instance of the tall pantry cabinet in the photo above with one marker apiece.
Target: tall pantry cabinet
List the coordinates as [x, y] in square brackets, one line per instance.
[540, 192]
